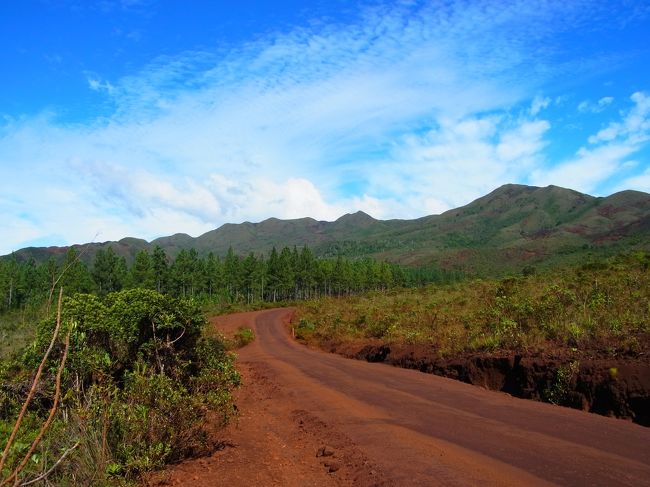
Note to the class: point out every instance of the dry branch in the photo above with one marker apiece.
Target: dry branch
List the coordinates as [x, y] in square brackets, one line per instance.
[50, 418]
[44, 475]
[32, 390]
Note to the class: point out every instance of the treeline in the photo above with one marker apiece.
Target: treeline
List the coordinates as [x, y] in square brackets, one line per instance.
[290, 274]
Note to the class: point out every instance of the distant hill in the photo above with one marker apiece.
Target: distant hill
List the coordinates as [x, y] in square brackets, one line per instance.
[508, 229]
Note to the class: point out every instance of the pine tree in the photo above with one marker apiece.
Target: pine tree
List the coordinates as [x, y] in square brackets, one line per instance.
[251, 280]
[11, 282]
[272, 275]
[232, 274]
[213, 270]
[306, 272]
[109, 271]
[75, 277]
[160, 269]
[141, 274]
[286, 275]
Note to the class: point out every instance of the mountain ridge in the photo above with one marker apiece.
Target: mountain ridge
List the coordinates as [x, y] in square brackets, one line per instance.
[512, 226]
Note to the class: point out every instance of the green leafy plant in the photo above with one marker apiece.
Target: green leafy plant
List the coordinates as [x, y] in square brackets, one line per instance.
[139, 381]
[244, 336]
[559, 389]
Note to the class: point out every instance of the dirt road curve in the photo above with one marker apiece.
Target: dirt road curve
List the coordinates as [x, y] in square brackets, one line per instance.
[408, 428]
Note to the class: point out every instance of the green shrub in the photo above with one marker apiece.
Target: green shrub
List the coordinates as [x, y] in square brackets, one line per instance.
[593, 306]
[304, 328]
[558, 391]
[139, 383]
[243, 336]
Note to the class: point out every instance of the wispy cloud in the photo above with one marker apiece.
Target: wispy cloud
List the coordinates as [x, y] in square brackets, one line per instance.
[96, 84]
[416, 107]
[633, 129]
[539, 104]
[461, 160]
[587, 106]
[608, 151]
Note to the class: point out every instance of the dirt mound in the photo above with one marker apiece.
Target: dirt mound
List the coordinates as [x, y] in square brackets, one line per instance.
[618, 387]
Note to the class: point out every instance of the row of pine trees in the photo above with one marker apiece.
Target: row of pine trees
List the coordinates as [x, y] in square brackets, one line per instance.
[290, 274]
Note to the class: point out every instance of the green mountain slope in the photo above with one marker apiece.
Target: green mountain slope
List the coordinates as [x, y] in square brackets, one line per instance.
[510, 228]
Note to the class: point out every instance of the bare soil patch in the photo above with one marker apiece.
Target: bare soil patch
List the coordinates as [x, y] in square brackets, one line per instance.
[272, 442]
[315, 418]
[590, 380]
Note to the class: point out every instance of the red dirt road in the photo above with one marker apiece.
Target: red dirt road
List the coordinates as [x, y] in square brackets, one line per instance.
[391, 426]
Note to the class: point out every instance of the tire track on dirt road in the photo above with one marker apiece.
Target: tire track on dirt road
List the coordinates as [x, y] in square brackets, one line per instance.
[426, 430]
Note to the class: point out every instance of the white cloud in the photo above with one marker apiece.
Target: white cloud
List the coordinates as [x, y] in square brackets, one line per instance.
[641, 182]
[461, 160]
[523, 141]
[421, 107]
[606, 100]
[258, 199]
[586, 106]
[608, 153]
[584, 172]
[539, 104]
[635, 126]
[96, 84]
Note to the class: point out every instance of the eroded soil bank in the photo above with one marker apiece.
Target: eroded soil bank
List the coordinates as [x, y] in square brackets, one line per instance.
[314, 418]
[596, 382]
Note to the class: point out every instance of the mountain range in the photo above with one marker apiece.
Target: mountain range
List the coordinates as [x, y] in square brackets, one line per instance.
[513, 227]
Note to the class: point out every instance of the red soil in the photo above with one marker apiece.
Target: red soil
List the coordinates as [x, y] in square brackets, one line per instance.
[617, 386]
[312, 418]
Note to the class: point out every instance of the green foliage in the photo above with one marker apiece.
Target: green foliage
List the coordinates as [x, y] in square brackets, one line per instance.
[110, 334]
[145, 422]
[109, 271]
[288, 274]
[594, 306]
[559, 389]
[244, 336]
[304, 329]
[25, 437]
[142, 272]
[140, 379]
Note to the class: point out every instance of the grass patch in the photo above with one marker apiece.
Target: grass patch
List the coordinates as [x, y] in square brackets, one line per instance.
[243, 336]
[17, 330]
[593, 306]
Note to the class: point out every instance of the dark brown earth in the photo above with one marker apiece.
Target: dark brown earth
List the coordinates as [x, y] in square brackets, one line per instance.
[594, 381]
[313, 418]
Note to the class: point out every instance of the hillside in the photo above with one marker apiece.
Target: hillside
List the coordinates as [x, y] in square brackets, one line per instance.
[510, 228]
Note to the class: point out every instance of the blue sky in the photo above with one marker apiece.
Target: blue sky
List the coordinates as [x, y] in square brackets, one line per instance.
[146, 118]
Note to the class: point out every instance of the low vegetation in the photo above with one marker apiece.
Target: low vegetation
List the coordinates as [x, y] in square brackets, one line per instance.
[243, 336]
[602, 306]
[126, 387]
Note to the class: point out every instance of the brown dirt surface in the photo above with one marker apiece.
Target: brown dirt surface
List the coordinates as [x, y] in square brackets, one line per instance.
[612, 385]
[313, 418]
[272, 442]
